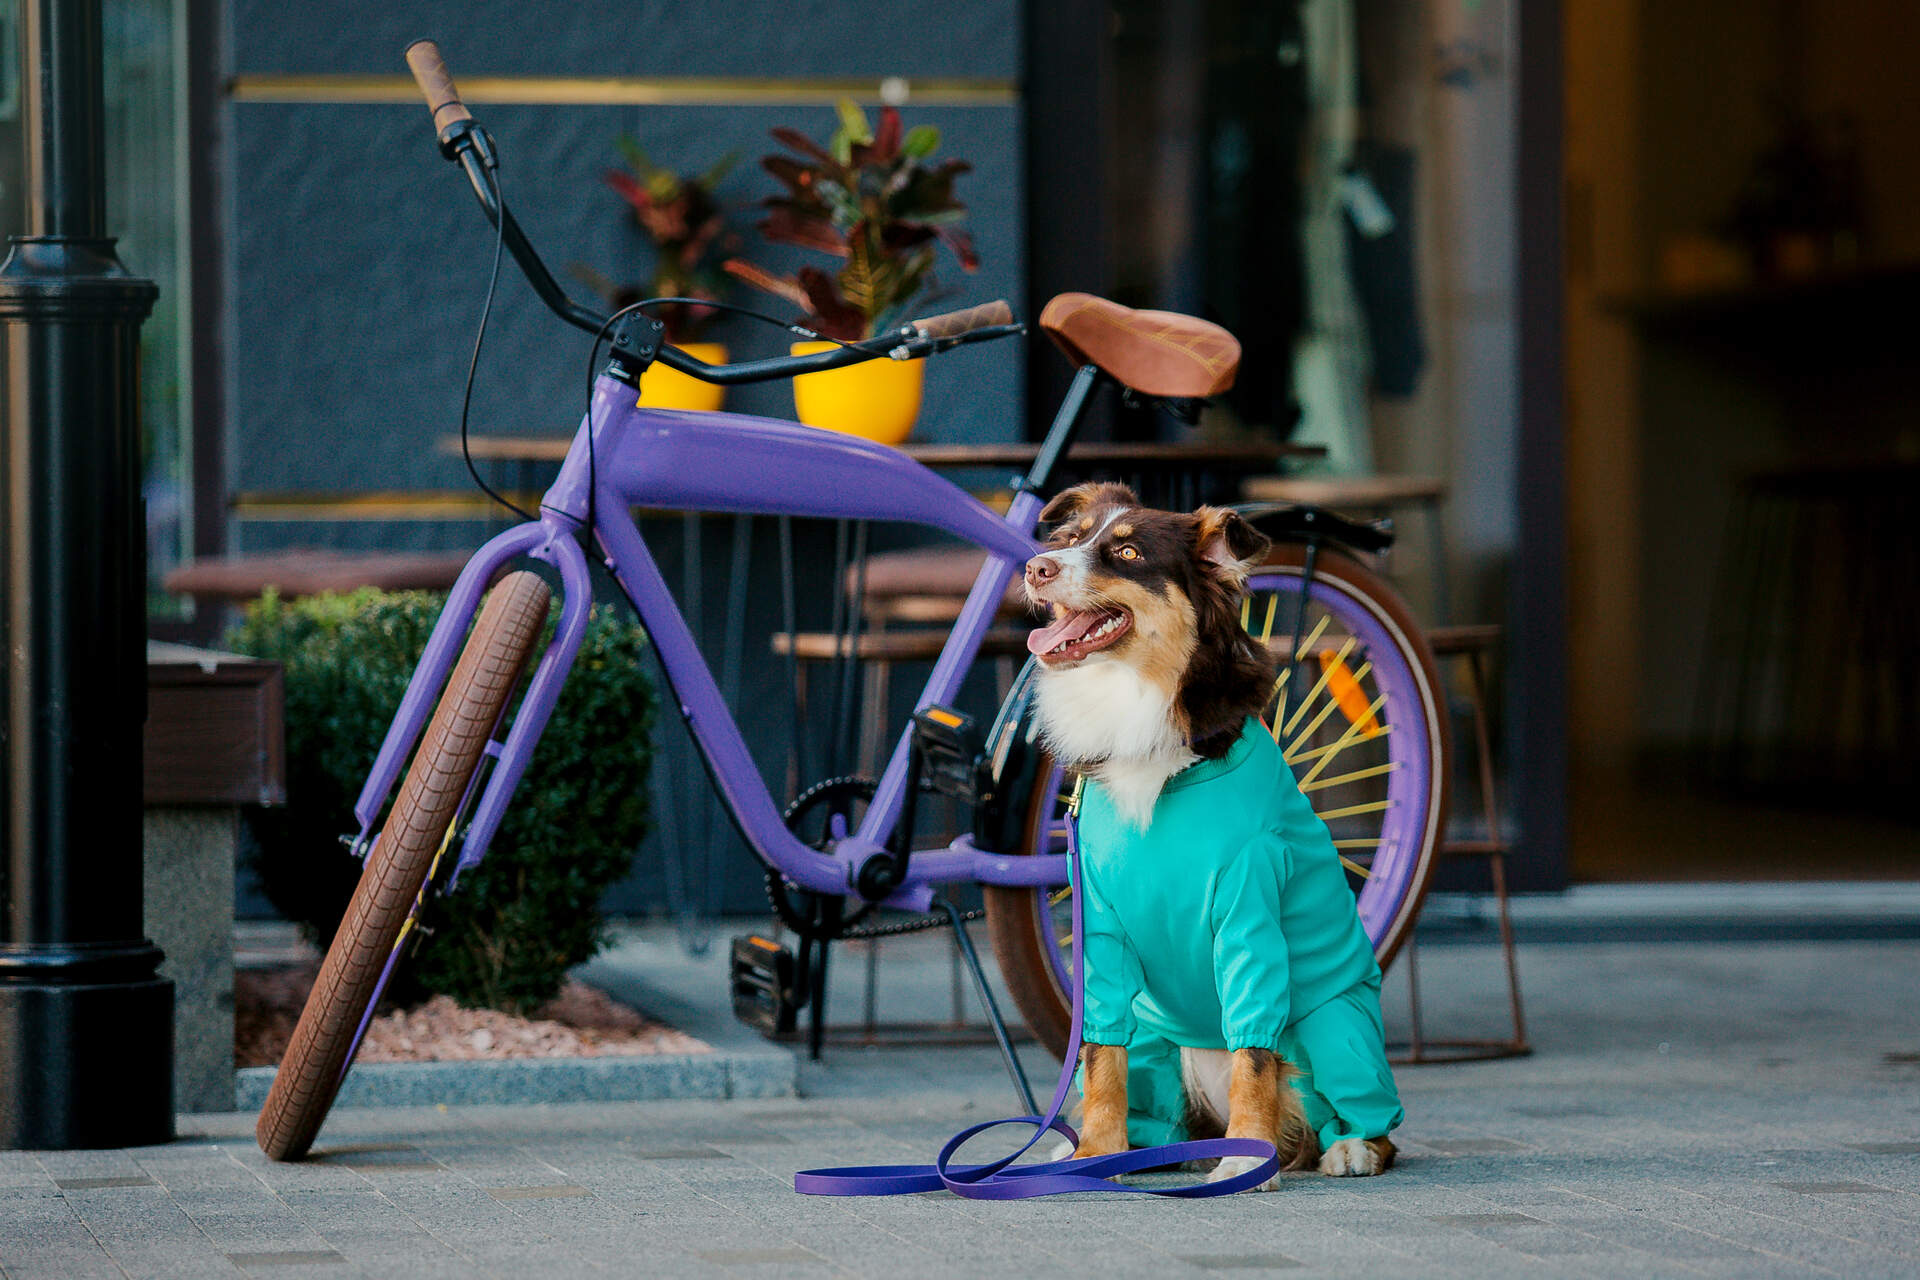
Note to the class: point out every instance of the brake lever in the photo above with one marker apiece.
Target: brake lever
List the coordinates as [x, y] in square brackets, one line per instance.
[920, 345]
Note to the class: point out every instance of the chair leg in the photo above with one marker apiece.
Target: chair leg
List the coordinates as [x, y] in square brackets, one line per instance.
[1496, 860]
[1437, 540]
[1417, 1052]
[871, 1011]
[1483, 747]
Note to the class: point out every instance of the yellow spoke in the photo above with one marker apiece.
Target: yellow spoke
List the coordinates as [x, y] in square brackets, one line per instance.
[1301, 757]
[1266, 629]
[1313, 637]
[1345, 740]
[1246, 606]
[1357, 844]
[1060, 897]
[1333, 704]
[1280, 711]
[1066, 940]
[1355, 776]
[1326, 674]
[1372, 806]
[1356, 868]
[1277, 696]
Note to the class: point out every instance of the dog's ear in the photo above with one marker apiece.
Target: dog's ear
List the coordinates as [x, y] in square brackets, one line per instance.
[1226, 545]
[1069, 503]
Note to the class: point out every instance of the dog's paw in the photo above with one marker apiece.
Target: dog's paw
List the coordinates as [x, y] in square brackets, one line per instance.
[1351, 1158]
[1234, 1166]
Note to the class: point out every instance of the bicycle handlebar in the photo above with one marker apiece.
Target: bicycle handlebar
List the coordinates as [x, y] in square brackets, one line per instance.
[436, 84]
[955, 323]
[463, 140]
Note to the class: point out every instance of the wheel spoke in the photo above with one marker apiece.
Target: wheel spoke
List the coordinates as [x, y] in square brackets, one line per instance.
[1355, 776]
[1355, 867]
[1301, 757]
[1313, 637]
[1333, 701]
[1345, 740]
[1300, 651]
[1313, 694]
[1371, 806]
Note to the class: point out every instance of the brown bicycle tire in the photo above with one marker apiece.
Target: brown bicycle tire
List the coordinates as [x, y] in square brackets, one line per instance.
[483, 679]
[1016, 917]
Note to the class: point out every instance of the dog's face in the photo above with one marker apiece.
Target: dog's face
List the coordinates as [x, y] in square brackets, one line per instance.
[1156, 592]
[1128, 582]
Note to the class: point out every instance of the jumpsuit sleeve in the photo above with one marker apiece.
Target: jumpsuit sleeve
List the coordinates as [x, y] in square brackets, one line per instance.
[1113, 975]
[1250, 967]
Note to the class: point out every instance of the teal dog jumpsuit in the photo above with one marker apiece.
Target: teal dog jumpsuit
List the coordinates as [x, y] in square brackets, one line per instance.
[1228, 924]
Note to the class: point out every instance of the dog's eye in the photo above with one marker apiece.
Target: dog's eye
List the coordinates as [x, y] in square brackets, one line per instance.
[1128, 553]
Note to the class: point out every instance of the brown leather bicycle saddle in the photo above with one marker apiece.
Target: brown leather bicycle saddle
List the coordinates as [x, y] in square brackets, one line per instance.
[1157, 353]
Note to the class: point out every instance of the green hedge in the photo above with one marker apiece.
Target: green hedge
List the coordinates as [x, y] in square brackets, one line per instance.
[506, 938]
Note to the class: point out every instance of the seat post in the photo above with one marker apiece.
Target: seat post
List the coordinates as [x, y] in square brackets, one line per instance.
[1066, 425]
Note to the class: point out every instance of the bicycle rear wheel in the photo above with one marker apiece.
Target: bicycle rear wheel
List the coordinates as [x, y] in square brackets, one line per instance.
[1361, 718]
[429, 799]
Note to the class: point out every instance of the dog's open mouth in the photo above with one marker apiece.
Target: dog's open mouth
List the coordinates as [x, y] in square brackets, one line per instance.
[1076, 633]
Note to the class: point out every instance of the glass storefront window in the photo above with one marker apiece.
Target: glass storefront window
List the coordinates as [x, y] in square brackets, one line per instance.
[144, 51]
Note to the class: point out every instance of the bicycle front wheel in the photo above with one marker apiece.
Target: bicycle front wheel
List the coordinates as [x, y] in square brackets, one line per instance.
[1359, 714]
[435, 787]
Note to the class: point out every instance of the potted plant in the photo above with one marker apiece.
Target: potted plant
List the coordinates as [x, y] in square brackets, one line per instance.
[681, 215]
[873, 198]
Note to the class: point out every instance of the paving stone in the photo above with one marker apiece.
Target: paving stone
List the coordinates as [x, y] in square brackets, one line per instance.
[1780, 1135]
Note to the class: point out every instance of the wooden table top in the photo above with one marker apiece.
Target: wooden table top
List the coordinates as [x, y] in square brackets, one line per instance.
[1141, 455]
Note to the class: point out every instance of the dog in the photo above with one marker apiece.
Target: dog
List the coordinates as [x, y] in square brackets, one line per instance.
[1223, 949]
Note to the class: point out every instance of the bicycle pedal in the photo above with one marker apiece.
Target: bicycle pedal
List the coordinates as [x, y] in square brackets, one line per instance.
[764, 985]
[950, 752]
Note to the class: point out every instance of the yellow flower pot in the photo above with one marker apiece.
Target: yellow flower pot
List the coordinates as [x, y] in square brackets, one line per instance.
[662, 387]
[878, 399]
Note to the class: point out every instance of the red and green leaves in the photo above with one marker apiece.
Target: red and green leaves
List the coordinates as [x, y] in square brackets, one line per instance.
[867, 198]
[682, 216]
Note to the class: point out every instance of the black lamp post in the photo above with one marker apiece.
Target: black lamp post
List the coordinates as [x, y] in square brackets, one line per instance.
[86, 1028]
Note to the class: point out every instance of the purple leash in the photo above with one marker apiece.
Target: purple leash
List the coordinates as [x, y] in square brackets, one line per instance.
[1002, 1180]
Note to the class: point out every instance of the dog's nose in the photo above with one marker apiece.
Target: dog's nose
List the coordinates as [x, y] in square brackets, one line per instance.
[1041, 570]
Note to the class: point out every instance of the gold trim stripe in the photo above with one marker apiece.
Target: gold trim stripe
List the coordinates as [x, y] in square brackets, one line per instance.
[375, 506]
[651, 91]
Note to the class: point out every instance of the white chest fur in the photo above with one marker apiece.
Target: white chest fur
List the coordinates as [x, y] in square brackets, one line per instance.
[1105, 716]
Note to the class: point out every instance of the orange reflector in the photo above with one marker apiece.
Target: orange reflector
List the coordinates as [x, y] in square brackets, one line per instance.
[762, 943]
[1346, 691]
[944, 716]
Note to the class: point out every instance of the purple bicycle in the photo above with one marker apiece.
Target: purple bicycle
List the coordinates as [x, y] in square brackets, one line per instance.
[1357, 707]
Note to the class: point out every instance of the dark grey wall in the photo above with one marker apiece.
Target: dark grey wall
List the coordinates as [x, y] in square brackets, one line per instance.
[972, 39]
[356, 259]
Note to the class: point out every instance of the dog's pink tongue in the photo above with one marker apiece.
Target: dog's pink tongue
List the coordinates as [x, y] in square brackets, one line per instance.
[1069, 627]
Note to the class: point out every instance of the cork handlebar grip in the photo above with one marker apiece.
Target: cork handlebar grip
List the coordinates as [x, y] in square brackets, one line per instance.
[436, 84]
[955, 323]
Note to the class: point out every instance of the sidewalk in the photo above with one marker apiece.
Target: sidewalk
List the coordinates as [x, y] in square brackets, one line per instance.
[1727, 1109]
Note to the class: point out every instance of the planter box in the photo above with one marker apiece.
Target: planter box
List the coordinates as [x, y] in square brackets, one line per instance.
[213, 743]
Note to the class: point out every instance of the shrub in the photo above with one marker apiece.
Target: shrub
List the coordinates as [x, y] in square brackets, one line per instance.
[506, 938]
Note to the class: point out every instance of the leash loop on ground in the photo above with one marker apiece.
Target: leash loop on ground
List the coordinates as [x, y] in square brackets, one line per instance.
[1002, 1179]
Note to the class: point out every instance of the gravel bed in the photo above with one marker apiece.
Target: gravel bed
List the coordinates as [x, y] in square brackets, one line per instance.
[581, 1022]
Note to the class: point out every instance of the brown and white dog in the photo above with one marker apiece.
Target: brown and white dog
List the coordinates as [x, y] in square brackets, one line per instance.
[1146, 669]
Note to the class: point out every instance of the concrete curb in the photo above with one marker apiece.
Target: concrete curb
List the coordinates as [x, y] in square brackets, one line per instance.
[764, 1073]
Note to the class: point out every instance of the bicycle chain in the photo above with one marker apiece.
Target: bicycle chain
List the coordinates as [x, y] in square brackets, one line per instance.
[783, 907]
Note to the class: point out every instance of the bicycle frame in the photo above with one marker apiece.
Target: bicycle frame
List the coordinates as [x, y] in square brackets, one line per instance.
[627, 457]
